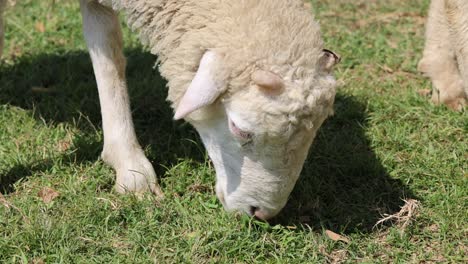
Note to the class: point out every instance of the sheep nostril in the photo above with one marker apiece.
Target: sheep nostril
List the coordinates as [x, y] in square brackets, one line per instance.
[260, 214]
[252, 210]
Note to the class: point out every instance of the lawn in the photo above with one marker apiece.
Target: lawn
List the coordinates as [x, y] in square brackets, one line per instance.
[385, 144]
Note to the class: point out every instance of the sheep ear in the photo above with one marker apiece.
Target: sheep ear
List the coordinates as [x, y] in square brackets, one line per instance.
[328, 60]
[267, 80]
[204, 88]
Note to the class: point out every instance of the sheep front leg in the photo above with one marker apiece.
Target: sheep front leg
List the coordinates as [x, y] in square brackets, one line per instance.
[121, 148]
[2, 8]
[457, 16]
[439, 61]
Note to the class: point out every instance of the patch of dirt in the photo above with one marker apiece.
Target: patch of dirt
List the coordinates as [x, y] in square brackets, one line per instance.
[334, 257]
[48, 194]
[199, 188]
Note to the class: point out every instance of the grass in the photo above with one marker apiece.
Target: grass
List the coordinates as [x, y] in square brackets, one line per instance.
[384, 144]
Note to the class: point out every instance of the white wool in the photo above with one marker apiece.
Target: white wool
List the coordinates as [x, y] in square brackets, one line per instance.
[445, 57]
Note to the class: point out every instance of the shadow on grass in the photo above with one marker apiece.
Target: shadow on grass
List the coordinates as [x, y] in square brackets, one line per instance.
[87, 149]
[19, 173]
[343, 186]
[62, 88]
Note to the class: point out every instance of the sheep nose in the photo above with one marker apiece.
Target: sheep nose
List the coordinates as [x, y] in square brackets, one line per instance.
[259, 213]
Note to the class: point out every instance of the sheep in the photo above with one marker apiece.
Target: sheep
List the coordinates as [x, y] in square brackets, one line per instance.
[252, 77]
[445, 56]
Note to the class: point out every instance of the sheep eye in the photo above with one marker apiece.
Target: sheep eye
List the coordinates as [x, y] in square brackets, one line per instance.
[238, 132]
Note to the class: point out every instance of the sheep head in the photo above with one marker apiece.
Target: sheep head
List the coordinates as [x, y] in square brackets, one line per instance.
[258, 135]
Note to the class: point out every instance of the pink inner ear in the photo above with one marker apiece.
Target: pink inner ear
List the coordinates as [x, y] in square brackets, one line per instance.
[267, 80]
[328, 60]
[203, 90]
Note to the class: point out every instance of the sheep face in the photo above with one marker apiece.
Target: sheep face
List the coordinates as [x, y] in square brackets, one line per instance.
[258, 135]
[257, 163]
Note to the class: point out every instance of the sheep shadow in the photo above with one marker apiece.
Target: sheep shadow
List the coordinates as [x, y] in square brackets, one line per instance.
[343, 185]
[61, 88]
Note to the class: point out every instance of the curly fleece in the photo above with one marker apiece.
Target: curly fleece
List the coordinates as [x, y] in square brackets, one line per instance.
[276, 35]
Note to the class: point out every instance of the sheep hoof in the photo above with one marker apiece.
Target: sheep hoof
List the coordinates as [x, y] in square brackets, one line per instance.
[135, 174]
[137, 178]
[457, 104]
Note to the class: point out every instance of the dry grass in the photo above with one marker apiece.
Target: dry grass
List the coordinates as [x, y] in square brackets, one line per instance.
[404, 217]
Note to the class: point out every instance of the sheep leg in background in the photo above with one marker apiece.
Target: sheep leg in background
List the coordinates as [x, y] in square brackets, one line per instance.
[2, 8]
[439, 61]
[121, 148]
[457, 17]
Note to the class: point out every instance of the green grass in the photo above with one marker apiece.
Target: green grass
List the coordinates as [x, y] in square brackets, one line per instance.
[384, 144]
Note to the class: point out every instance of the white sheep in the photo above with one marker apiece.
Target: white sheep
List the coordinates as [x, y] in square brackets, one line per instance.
[250, 75]
[445, 57]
